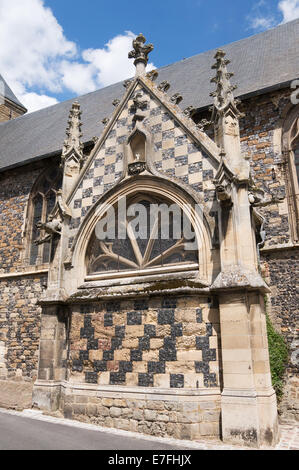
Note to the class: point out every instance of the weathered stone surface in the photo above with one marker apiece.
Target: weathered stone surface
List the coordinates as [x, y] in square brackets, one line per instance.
[162, 341]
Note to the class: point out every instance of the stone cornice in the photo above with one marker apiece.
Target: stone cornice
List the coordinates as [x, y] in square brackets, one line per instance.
[23, 274]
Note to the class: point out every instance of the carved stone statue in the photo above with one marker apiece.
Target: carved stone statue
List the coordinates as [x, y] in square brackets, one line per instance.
[139, 106]
[52, 228]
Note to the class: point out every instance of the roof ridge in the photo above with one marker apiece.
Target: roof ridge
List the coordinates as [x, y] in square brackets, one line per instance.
[264, 62]
[209, 51]
[164, 67]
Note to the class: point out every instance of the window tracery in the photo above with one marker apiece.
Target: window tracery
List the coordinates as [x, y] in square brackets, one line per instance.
[291, 150]
[42, 202]
[154, 245]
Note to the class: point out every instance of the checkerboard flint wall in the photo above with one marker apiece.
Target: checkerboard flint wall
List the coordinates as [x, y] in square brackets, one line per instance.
[160, 342]
[175, 156]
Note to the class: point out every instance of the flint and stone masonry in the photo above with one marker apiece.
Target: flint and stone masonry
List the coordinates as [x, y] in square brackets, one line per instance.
[138, 335]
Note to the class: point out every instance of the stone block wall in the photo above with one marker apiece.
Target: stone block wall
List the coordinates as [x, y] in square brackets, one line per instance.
[3, 370]
[162, 353]
[281, 271]
[15, 187]
[20, 325]
[8, 111]
[179, 416]
[19, 312]
[260, 143]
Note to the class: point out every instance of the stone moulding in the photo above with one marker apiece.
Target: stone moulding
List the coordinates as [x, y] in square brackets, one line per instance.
[23, 274]
[114, 390]
[142, 290]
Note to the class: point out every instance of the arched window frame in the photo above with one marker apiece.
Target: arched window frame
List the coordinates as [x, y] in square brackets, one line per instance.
[142, 259]
[39, 255]
[201, 222]
[290, 143]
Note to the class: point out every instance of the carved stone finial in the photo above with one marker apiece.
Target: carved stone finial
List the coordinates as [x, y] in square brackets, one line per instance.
[203, 125]
[152, 75]
[164, 86]
[189, 111]
[140, 53]
[223, 96]
[72, 143]
[105, 121]
[177, 98]
[127, 83]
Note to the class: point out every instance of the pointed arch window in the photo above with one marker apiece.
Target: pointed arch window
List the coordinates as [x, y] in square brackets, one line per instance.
[291, 150]
[160, 245]
[42, 202]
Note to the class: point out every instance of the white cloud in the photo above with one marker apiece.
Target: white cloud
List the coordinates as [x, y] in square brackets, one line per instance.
[34, 102]
[262, 23]
[78, 78]
[262, 17]
[39, 61]
[289, 9]
[34, 42]
[111, 63]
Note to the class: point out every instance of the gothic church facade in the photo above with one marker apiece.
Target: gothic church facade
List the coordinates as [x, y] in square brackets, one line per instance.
[135, 332]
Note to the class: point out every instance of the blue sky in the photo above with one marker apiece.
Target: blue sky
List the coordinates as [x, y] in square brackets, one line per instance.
[177, 28]
[64, 48]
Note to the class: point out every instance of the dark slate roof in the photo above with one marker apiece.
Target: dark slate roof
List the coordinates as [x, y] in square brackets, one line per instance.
[9, 94]
[263, 62]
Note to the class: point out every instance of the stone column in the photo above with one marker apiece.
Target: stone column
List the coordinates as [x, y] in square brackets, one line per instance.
[54, 325]
[249, 413]
[52, 358]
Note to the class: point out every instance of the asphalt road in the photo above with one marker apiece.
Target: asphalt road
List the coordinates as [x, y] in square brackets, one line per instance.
[19, 433]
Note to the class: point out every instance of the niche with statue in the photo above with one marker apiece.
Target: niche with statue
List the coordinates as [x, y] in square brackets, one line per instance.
[137, 156]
